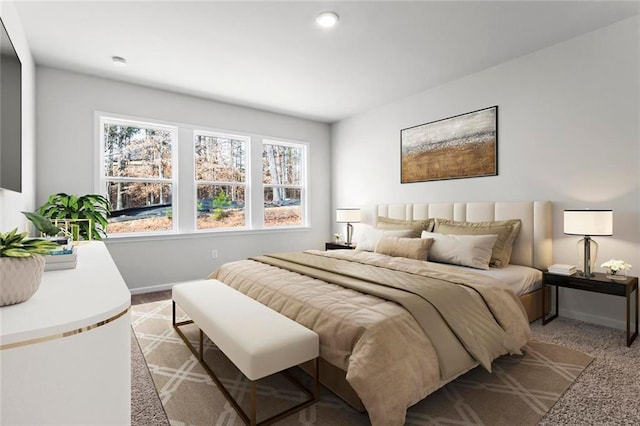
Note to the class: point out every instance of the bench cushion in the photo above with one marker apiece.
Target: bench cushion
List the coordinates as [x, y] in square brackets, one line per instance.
[257, 339]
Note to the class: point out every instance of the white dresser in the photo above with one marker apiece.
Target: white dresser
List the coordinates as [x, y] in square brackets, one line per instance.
[65, 354]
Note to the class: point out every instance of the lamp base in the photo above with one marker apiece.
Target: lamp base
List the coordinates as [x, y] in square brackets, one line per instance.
[587, 254]
[349, 233]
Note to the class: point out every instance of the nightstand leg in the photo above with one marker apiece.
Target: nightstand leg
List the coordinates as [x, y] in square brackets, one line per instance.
[544, 303]
[637, 297]
[632, 337]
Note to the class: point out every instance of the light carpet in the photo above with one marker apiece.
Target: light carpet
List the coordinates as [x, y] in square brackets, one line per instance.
[607, 392]
[146, 408]
[520, 390]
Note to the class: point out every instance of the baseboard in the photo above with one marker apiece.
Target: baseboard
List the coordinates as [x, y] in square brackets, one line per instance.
[151, 289]
[594, 319]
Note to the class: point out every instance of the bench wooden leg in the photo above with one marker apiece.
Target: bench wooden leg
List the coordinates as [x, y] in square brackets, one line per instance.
[201, 359]
[173, 319]
[316, 377]
[252, 409]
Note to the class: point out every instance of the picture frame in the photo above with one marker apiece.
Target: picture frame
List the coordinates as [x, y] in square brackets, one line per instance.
[461, 146]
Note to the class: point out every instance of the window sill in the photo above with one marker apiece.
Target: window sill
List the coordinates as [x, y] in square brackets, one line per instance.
[115, 239]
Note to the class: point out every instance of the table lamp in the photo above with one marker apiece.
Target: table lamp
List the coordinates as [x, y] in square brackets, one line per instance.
[348, 216]
[588, 223]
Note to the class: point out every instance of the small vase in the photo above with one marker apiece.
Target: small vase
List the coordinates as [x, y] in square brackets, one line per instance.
[616, 275]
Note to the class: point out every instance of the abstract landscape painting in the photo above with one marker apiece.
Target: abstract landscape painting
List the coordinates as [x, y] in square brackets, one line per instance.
[456, 147]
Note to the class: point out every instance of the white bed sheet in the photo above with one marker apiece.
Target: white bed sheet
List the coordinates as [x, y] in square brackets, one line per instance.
[521, 279]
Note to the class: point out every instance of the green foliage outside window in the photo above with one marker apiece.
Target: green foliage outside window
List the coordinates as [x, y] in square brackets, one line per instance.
[221, 201]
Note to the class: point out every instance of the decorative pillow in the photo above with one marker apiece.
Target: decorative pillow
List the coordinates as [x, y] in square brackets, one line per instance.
[412, 248]
[465, 250]
[417, 225]
[506, 230]
[370, 237]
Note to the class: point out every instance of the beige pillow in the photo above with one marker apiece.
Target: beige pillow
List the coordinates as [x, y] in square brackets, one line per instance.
[417, 225]
[466, 250]
[412, 248]
[506, 230]
[369, 238]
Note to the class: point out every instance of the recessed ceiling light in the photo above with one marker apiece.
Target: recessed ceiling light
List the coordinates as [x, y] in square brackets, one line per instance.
[119, 61]
[327, 19]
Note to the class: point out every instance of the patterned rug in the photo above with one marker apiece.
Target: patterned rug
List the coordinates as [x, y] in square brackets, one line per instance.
[520, 390]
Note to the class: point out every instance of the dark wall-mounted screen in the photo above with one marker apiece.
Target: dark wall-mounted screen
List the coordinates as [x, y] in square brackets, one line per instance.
[10, 114]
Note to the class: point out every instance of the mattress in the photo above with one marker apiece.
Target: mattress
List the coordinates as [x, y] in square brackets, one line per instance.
[521, 279]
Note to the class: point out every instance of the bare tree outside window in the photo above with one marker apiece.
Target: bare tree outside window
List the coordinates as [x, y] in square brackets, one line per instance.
[138, 165]
[220, 174]
[283, 181]
[138, 174]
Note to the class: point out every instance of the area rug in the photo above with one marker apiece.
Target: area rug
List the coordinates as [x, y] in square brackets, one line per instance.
[520, 390]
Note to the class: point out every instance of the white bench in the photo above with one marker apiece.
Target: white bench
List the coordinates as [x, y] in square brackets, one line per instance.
[257, 339]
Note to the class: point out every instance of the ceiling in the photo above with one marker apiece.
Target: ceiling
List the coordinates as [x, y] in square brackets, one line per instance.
[272, 55]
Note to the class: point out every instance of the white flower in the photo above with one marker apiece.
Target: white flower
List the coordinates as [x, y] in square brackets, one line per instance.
[616, 265]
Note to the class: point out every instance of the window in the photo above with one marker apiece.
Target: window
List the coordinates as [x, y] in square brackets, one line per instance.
[137, 175]
[219, 187]
[221, 180]
[283, 167]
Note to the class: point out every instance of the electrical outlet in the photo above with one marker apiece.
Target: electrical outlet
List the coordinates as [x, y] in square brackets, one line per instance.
[214, 254]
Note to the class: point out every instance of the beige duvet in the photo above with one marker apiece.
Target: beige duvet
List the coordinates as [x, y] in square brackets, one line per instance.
[389, 360]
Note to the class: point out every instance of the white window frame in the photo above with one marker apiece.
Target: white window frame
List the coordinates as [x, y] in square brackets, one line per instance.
[247, 183]
[102, 178]
[184, 185]
[304, 185]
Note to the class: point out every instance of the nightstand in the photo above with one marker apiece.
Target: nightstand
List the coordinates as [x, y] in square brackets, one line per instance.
[339, 246]
[596, 284]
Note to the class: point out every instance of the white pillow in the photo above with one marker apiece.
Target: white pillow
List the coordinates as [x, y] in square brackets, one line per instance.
[370, 237]
[465, 250]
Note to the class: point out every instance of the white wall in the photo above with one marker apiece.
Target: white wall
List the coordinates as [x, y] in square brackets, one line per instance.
[568, 131]
[12, 203]
[66, 103]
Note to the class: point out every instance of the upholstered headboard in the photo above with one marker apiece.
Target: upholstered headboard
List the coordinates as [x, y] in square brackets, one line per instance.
[533, 245]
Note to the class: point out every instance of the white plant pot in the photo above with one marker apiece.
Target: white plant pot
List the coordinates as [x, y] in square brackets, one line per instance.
[19, 278]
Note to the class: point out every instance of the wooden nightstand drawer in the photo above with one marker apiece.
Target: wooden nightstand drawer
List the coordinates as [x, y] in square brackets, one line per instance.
[598, 283]
[339, 246]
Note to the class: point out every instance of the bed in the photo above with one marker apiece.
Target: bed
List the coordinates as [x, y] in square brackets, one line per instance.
[384, 348]
[533, 245]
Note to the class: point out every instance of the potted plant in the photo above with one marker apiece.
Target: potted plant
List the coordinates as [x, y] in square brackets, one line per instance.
[21, 265]
[93, 207]
[616, 269]
[51, 232]
[42, 224]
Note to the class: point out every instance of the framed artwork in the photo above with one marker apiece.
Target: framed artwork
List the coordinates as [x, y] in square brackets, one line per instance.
[461, 146]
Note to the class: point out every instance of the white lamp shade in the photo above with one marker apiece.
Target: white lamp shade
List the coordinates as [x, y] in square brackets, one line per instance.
[348, 215]
[588, 222]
